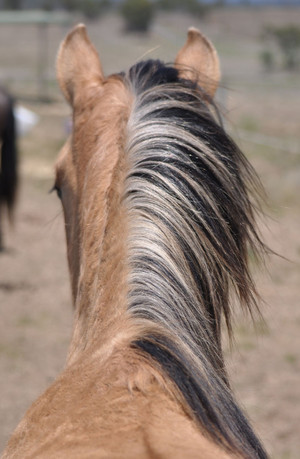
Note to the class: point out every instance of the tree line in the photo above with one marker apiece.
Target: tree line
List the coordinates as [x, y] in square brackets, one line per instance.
[138, 14]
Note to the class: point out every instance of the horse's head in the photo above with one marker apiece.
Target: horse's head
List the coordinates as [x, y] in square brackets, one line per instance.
[101, 107]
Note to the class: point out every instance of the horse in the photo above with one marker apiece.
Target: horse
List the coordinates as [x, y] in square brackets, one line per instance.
[160, 214]
[8, 157]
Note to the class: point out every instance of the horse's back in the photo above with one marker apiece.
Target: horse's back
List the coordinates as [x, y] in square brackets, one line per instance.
[121, 409]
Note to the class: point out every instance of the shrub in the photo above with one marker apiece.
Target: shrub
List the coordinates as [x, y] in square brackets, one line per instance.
[287, 39]
[12, 4]
[267, 59]
[92, 9]
[138, 14]
[194, 7]
[69, 5]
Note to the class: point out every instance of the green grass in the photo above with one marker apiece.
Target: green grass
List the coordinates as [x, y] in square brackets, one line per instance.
[26, 321]
[291, 358]
[10, 352]
[261, 328]
[249, 123]
[284, 455]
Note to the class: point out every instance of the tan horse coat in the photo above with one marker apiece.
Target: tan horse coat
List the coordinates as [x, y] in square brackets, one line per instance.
[109, 402]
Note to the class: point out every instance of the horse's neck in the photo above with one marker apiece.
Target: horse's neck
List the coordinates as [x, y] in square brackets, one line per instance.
[101, 300]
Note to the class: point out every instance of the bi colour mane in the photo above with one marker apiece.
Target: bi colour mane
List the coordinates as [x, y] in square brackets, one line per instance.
[159, 206]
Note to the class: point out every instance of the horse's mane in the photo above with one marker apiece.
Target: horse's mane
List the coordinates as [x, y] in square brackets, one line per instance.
[192, 223]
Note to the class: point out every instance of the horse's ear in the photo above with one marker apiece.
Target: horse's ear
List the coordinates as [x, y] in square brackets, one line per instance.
[198, 60]
[78, 64]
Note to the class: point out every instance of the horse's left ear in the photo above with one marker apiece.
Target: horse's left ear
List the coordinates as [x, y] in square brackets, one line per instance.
[198, 60]
[78, 64]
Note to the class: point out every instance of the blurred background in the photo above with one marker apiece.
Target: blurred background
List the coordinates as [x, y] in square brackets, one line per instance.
[258, 43]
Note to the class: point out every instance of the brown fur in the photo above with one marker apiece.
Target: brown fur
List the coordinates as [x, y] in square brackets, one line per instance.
[198, 58]
[114, 406]
[109, 401]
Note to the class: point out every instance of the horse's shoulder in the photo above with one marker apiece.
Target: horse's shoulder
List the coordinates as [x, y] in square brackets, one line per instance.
[116, 410]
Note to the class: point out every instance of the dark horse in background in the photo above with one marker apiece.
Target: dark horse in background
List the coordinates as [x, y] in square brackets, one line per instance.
[8, 158]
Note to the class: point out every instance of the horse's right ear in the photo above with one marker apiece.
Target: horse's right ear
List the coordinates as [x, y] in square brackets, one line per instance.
[78, 64]
[198, 61]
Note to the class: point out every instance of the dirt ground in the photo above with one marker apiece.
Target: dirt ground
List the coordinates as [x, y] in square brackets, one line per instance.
[35, 300]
